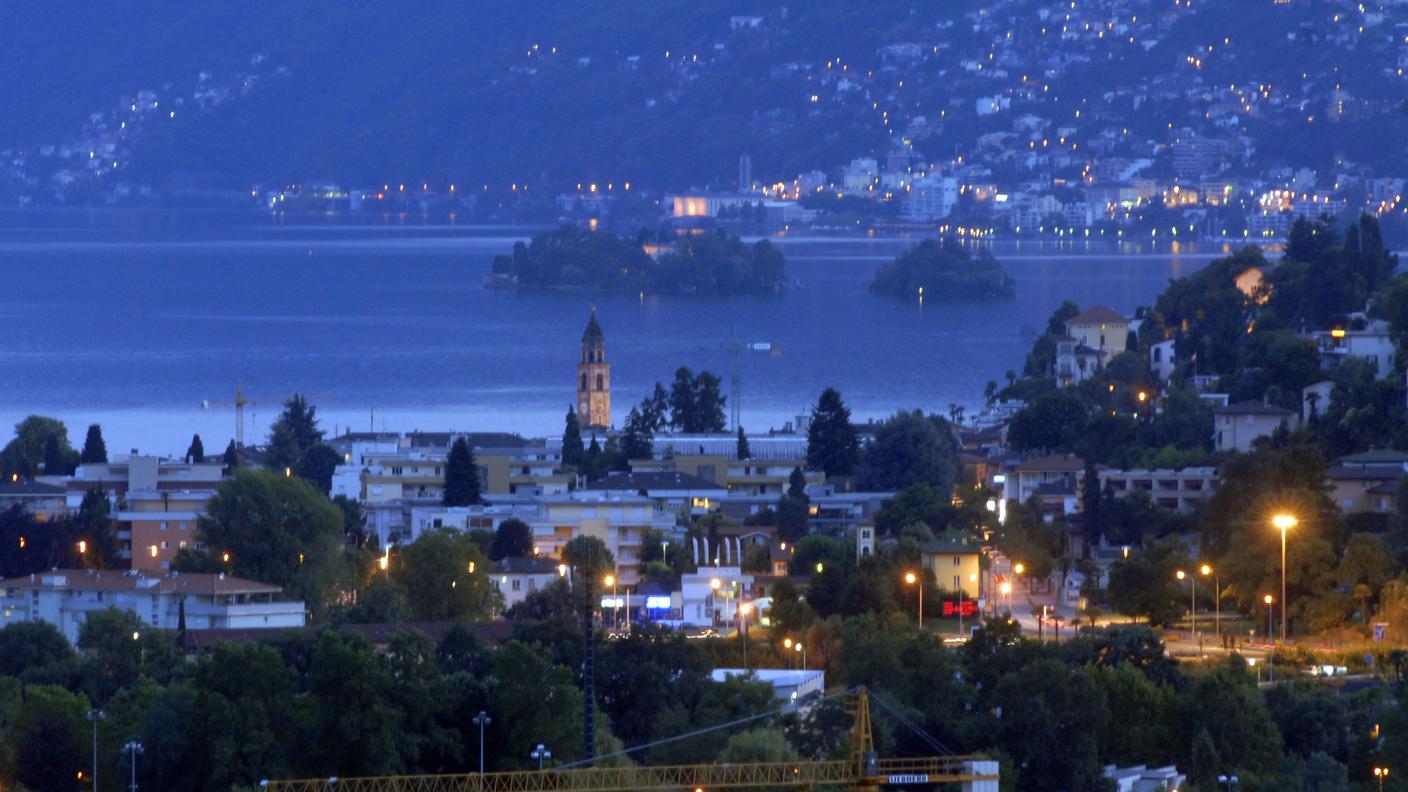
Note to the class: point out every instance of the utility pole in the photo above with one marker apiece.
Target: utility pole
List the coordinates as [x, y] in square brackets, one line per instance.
[481, 720]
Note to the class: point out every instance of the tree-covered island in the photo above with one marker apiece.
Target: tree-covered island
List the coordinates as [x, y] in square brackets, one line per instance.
[944, 269]
[711, 263]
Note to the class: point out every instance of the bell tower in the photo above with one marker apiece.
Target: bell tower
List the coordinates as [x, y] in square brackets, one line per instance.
[594, 379]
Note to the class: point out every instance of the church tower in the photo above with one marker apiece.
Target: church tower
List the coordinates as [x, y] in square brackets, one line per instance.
[594, 380]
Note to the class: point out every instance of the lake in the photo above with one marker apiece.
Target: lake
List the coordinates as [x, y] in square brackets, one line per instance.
[134, 319]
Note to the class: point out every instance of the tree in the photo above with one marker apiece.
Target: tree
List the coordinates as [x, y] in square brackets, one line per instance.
[743, 451]
[30, 645]
[462, 485]
[910, 449]
[1051, 422]
[277, 530]
[95, 451]
[536, 702]
[1144, 584]
[512, 539]
[761, 744]
[1051, 716]
[31, 445]
[696, 402]
[918, 503]
[55, 461]
[832, 446]
[683, 407]
[589, 556]
[194, 454]
[445, 576]
[637, 438]
[573, 452]
[93, 524]
[232, 457]
[318, 465]
[49, 744]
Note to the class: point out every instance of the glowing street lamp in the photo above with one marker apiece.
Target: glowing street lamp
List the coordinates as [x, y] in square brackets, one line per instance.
[1193, 599]
[1380, 773]
[910, 579]
[1217, 600]
[1284, 522]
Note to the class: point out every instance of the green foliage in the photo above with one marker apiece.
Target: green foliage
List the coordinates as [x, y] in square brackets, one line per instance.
[94, 449]
[573, 451]
[1327, 273]
[195, 452]
[696, 402]
[293, 434]
[38, 440]
[1207, 313]
[944, 269]
[31, 645]
[710, 263]
[1144, 584]
[435, 572]
[1052, 422]
[278, 530]
[513, 538]
[832, 446]
[462, 484]
[742, 452]
[1051, 719]
[918, 503]
[910, 448]
[588, 556]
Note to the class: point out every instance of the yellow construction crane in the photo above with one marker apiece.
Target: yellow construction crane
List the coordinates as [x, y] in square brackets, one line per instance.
[241, 401]
[861, 771]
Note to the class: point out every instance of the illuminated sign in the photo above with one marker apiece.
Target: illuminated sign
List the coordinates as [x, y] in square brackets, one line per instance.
[613, 602]
[657, 603]
[965, 608]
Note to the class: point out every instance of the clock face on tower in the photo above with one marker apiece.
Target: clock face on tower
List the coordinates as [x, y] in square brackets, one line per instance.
[594, 379]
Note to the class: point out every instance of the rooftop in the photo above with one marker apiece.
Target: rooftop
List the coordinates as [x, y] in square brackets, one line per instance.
[1252, 408]
[1098, 315]
[126, 580]
[663, 480]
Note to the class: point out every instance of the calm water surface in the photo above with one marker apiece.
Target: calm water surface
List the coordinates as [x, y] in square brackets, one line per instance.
[133, 319]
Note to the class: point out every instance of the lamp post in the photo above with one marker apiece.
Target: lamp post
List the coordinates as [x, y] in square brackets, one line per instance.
[743, 609]
[1216, 599]
[911, 579]
[798, 647]
[1380, 773]
[481, 720]
[715, 584]
[610, 581]
[134, 748]
[1192, 600]
[1270, 658]
[787, 644]
[95, 715]
[542, 754]
[1228, 780]
[1284, 522]
[1006, 590]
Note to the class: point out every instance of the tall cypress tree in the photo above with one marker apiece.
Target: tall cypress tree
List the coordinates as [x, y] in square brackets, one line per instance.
[232, 457]
[54, 464]
[196, 453]
[743, 451]
[832, 445]
[573, 452]
[95, 451]
[461, 475]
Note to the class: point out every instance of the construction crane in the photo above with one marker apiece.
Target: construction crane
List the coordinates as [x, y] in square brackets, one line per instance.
[241, 401]
[735, 349]
[860, 771]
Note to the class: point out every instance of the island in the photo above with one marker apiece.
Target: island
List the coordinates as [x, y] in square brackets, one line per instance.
[711, 263]
[944, 269]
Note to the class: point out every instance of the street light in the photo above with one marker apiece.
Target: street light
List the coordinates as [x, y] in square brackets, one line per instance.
[798, 647]
[134, 748]
[610, 581]
[541, 754]
[95, 715]
[743, 609]
[910, 578]
[1284, 522]
[1217, 601]
[787, 644]
[481, 720]
[1228, 780]
[1193, 600]
[973, 577]
[1380, 773]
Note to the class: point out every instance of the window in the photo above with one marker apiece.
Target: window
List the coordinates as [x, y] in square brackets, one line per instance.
[165, 525]
[184, 527]
[957, 560]
[584, 381]
[601, 382]
[957, 583]
[516, 584]
[396, 471]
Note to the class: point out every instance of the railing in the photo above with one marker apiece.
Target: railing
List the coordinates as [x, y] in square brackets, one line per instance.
[929, 770]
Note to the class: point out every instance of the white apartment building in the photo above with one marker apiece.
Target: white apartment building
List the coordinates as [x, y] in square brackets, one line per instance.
[1372, 343]
[65, 597]
[929, 199]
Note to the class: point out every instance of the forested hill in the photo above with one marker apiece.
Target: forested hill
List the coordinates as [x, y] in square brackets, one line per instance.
[669, 94]
[361, 92]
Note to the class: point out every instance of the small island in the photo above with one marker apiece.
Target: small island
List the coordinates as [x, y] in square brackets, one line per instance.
[944, 269]
[710, 263]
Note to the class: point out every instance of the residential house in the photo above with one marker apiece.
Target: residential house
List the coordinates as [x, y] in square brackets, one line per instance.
[617, 520]
[65, 598]
[1180, 490]
[516, 578]
[710, 595]
[1102, 329]
[45, 501]
[672, 491]
[154, 526]
[1161, 359]
[955, 567]
[1053, 480]
[1075, 362]
[138, 473]
[1236, 426]
[1368, 481]
[1367, 340]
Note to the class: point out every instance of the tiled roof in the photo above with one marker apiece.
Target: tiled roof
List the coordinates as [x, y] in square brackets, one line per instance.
[519, 565]
[1098, 315]
[1054, 462]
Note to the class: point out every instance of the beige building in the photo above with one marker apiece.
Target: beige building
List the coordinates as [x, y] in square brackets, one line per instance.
[155, 526]
[1367, 482]
[617, 520]
[1101, 329]
[955, 568]
[1236, 426]
[1180, 490]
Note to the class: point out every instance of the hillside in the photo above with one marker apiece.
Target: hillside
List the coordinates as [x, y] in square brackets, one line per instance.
[213, 94]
